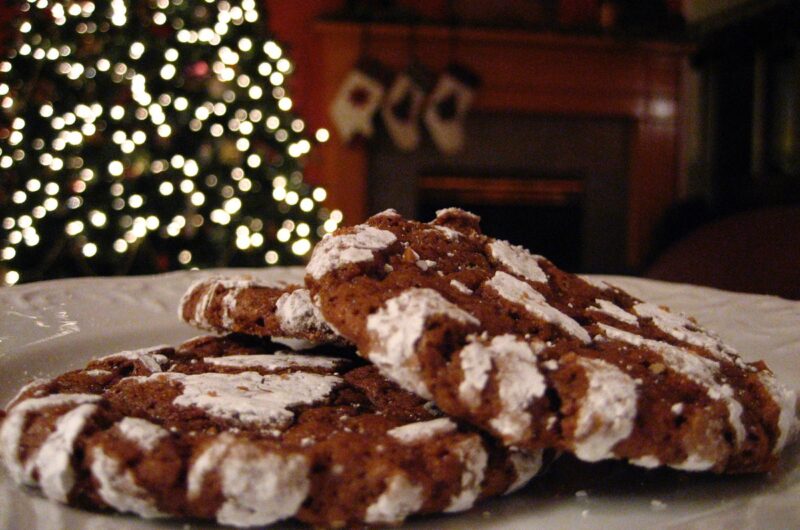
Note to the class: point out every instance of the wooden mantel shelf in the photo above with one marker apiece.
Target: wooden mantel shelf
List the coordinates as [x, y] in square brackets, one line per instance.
[535, 73]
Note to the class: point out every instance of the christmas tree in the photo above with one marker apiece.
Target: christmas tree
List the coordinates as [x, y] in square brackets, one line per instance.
[144, 136]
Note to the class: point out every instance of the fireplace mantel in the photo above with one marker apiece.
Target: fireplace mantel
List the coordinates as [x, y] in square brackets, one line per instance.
[535, 73]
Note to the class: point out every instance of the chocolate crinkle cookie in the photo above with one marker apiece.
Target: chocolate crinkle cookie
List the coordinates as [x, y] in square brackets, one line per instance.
[240, 430]
[540, 358]
[253, 307]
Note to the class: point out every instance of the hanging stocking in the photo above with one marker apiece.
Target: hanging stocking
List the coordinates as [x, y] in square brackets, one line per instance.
[448, 107]
[402, 108]
[356, 102]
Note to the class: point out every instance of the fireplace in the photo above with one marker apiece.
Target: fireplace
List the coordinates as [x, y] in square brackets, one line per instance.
[556, 184]
[575, 135]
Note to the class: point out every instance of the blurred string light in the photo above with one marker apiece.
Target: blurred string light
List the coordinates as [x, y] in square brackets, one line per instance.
[230, 120]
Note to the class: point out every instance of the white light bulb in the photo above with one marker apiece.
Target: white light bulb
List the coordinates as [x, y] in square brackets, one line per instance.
[319, 194]
[115, 168]
[301, 247]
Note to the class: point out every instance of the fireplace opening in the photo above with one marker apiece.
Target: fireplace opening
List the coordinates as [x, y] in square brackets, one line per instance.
[537, 212]
[556, 184]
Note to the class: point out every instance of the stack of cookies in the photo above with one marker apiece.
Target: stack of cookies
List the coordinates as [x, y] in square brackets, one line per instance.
[443, 367]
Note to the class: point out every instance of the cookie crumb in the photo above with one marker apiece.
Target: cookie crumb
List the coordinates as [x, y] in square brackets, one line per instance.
[410, 255]
[657, 368]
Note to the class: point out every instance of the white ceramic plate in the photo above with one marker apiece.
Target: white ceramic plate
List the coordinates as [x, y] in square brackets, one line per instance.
[47, 328]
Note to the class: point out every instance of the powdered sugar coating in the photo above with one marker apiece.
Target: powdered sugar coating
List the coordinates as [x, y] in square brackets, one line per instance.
[461, 287]
[118, 487]
[696, 368]
[11, 431]
[457, 212]
[694, 462]
[208, 460]
[249, 397]
[425, 264]
[519, 292]
[786, 399]
[187, 294]
[519, 382]
[422, 430]
[595, 282]
[275, 361]
[474, 459]
[680, 327]
[261, 487]
[396, 327]
[614, 311]
[201, 309]
[209, 287]
[527, 465]
[647, 461]
[144, 433]
[336, 251]
[607, 411]
[400, 499]
[54, 459]
[36, 382]
[448, 232]
[187, 469]
[231, 299]
[148, 357]
[297, 315]
[476, 362]
[388, 212]
[517, 260]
